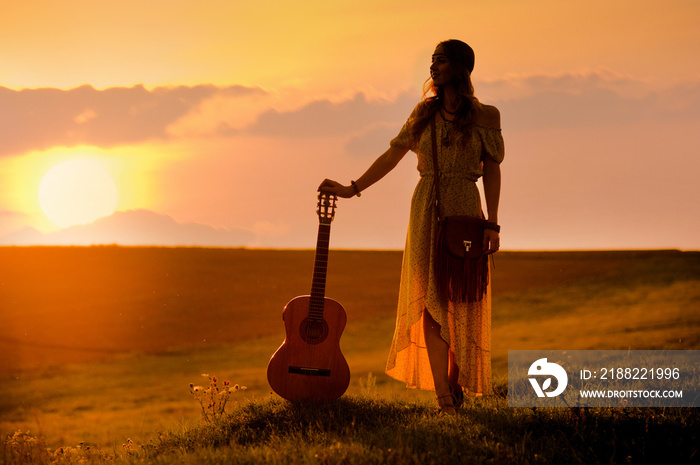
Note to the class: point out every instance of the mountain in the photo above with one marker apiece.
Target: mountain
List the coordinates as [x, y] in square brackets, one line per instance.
[135, 227]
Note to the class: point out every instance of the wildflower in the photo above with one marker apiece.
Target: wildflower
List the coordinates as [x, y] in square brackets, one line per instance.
[213, 400]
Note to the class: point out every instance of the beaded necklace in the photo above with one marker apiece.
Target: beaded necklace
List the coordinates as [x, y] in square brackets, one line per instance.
[447, 125]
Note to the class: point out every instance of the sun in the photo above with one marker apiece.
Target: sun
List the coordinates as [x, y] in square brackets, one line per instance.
[77, 192]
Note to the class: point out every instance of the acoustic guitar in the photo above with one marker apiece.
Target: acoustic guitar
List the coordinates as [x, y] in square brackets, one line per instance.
[309, 363]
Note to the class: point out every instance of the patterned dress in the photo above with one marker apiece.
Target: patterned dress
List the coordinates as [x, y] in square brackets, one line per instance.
[466, 327]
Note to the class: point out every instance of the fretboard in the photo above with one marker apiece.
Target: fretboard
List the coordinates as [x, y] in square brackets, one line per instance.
[318, 286]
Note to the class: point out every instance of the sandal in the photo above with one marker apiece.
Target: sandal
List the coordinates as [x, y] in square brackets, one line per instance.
[446, 404]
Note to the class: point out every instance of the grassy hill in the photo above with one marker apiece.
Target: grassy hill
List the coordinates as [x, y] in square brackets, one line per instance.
[98, 345]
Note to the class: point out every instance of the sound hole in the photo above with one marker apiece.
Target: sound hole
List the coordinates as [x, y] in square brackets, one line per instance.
[313, 331]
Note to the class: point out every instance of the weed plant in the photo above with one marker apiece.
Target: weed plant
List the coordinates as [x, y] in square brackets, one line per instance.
[213, 400]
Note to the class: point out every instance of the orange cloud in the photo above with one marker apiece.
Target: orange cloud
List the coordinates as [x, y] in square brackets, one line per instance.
[36, 119]
[589, 99]
[324, 118]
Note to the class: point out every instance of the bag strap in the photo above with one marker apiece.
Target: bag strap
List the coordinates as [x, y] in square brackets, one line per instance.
[436, 172]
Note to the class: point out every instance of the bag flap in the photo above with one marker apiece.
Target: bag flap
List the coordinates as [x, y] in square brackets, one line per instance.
[464, 236]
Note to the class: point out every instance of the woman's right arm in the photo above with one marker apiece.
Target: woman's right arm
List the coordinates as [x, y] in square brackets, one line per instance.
[381, 166]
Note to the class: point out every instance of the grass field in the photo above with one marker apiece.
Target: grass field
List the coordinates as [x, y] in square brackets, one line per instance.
[98, 345]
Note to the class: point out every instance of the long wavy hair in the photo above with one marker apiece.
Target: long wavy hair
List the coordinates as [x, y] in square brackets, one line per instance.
[461, 60]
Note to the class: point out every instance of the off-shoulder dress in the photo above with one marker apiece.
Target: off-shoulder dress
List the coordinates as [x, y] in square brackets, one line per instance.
[466, 327]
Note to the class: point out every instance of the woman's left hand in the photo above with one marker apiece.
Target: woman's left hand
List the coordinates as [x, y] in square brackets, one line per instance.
[334, 187]
[492, 241]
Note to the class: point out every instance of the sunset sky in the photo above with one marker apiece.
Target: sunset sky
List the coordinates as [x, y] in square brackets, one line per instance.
[212, 122]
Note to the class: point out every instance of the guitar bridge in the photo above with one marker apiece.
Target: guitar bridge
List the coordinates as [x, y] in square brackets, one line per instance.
[308, 371]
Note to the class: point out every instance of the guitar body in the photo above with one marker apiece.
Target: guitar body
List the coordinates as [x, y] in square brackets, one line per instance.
[309, 363]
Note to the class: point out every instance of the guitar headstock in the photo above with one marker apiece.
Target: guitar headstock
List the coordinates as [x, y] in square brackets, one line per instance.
[326, 207]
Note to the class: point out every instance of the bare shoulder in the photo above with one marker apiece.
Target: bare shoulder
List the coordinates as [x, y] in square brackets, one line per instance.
[488, 116]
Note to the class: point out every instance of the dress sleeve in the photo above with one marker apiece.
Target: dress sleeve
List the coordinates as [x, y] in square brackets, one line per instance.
[493, 145]
[403, 139]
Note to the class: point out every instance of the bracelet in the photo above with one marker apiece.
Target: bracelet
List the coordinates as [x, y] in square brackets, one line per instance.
[357, 190]
[492, 226]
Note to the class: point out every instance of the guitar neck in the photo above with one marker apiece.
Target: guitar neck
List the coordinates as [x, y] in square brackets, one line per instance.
[318, 286]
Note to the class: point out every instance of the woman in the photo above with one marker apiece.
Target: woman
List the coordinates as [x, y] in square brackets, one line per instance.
[440, 345]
